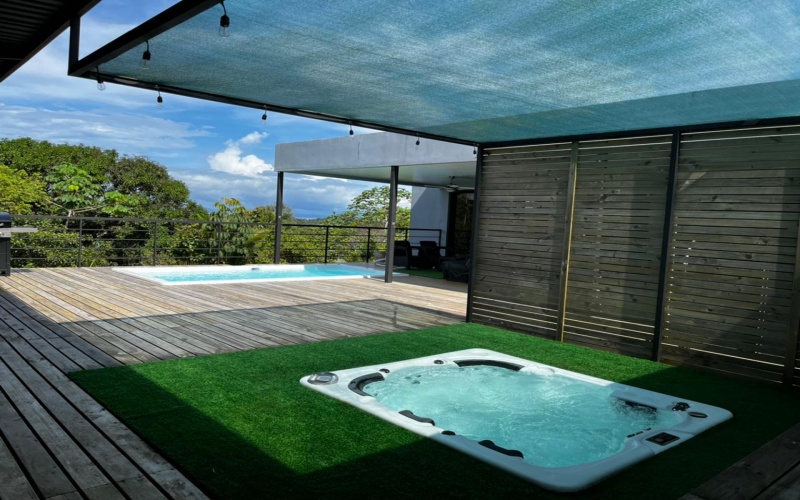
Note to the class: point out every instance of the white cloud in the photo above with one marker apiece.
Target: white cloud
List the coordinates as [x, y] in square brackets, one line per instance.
[232, 160]
[127, 133]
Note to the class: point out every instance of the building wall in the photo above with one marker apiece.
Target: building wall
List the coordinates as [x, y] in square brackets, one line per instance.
[429, 211]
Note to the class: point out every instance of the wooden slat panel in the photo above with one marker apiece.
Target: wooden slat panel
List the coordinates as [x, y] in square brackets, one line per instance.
[613, 281]
[733, 255]
[521, 237]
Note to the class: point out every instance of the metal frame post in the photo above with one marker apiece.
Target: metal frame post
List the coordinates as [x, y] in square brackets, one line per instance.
[278, 218]
[476, 208]
[660, 323]
[394, 175]
[567, 247]
[327, 239]
[369, 237]
[80, 242]
[155, 242]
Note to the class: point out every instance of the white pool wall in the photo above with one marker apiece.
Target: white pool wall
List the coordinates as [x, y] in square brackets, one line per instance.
[147, 272]
[566, 479]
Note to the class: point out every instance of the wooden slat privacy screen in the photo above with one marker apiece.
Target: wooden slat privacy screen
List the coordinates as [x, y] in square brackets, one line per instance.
[618, 221]
[521, 234]
[728, 298]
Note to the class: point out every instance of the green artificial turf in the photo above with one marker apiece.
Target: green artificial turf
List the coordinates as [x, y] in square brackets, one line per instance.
[427, 273]
[241, 425]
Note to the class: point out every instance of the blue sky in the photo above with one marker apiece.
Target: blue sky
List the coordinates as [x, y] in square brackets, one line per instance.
[217, 150]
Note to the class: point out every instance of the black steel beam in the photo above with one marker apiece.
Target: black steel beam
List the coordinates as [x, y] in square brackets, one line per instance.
[168, 19]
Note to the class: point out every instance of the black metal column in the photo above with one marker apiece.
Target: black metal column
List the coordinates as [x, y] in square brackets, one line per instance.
[278, 217]
[390, 229]
[666, 244]
[476, 210]
[450, 241]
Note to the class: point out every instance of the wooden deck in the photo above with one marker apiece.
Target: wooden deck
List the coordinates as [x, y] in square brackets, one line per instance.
[57, 442]
[770, 472]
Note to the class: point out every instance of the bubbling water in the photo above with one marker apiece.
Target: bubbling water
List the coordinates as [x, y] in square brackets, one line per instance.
[554, 420]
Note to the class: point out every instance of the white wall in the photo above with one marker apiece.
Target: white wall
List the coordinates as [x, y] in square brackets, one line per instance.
[429, 211]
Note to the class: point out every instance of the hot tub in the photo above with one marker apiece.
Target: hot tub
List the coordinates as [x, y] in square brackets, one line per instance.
[558, 429]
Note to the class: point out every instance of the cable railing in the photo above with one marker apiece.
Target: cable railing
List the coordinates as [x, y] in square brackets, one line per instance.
[106, 241]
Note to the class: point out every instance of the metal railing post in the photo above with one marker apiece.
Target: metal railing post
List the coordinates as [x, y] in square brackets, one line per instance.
[327, 237]
[80, 242]
[219, 243]
[155, 242]
[369, 237]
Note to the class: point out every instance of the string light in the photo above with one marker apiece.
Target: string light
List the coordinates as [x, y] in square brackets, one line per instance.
[417, 143]
[159, 99]
[351, 129]
[224, 22]
[146, 56]
[264, 116]
[474, 150]
[101, 85]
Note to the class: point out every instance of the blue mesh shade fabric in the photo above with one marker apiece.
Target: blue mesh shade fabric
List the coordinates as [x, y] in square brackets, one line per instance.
[488, 71]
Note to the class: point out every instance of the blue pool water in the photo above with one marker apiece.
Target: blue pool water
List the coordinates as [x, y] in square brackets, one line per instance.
[231, 274]
[554, 420]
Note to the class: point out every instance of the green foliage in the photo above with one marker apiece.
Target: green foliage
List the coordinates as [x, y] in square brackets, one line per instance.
[371, 208]
[39, 157]
[233, 231]
[157, 194]
[21, 193]
[101, 183]
[76, 192]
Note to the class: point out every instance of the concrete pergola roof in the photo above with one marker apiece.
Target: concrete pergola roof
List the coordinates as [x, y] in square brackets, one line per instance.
[369, 157]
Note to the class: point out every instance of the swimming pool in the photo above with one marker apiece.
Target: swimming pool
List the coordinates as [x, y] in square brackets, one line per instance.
[558, 429]
[194, 275]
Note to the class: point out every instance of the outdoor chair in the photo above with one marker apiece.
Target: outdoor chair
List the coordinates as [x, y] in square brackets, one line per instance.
[428, 256]
[402, 254]
[456, 269]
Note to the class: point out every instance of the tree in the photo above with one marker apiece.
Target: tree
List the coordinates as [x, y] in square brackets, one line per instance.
[40, 157]
[21, 193]
[371, 208]
[233, 231]
[158, 195]
[73, 190]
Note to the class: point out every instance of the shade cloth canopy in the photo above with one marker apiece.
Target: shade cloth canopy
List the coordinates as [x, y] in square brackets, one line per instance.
[484, 71]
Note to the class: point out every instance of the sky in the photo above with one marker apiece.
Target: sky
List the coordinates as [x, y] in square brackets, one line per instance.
[218, 150]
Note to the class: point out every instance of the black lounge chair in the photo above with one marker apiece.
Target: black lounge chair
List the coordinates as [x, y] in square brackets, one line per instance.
[456, 269]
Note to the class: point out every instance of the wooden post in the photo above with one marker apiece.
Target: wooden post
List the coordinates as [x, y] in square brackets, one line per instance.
[390, 229]
[278, 218]
[660, 322]
[568, 223]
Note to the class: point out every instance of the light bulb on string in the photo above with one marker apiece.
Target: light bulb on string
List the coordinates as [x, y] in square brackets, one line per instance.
[264, 117]
[101, 85]
[417, 143]
[159, 100]
[146, 56]
[351, 129]
[474, 150]
[224, 22]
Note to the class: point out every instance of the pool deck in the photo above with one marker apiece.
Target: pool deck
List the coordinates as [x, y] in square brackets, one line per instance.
[57, 442]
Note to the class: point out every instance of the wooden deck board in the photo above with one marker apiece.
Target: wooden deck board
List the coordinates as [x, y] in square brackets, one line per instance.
[770, 472]
[56, 442]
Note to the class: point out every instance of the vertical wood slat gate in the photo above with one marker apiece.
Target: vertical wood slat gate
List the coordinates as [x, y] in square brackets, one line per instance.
[732, 282]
